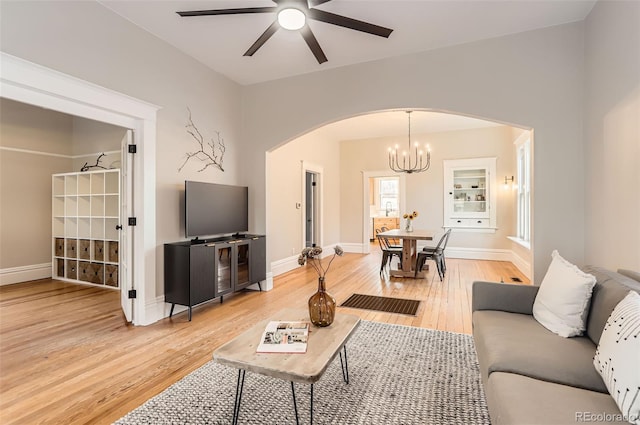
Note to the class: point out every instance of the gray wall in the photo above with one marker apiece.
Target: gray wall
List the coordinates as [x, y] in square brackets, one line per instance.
[532, 80]
[612, 134]
[86, 40]
[34, 144]
[25, 180]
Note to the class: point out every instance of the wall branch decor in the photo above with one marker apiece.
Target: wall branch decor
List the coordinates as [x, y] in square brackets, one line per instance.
[211, 153]
[87, 167]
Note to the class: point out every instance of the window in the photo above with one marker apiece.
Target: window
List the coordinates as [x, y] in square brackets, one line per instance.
[388, 190]
[523, 153]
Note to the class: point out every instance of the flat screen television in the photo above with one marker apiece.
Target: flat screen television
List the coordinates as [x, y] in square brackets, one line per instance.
[215, 209]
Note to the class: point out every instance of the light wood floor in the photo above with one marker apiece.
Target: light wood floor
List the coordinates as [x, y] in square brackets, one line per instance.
[67, 357]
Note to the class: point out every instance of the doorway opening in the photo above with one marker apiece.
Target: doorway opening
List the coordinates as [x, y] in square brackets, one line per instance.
[384, 199]
[312, 208]
[39, 86]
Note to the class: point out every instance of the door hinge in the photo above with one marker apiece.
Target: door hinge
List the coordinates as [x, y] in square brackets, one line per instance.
[133, 148]
[132, 293]
[132, 221]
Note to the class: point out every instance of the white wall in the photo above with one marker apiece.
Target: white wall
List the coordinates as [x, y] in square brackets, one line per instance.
[612, 133]
[424, 191]
[284, 190]
[88, 41]
[533, 80]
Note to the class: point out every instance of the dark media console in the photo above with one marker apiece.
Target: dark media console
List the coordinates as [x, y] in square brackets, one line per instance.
[201, 270]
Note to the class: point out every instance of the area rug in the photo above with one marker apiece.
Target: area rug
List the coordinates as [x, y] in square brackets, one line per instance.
[397, 375]
[386, 304]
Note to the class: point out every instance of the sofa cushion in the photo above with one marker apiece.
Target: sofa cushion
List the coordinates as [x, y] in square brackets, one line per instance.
[630, 273]
[617, 357]
[517, 399]
[517, 343]
[610, 289]
[562, 302]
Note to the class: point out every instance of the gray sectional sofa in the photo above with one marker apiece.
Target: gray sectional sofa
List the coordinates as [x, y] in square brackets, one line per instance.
[530, 374]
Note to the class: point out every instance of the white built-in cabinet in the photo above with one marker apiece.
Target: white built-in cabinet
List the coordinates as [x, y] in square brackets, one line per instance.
[86, 218]
[470, 193]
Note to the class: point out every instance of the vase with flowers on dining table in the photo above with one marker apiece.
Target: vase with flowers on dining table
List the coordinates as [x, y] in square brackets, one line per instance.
[408, 225]
[322, 306]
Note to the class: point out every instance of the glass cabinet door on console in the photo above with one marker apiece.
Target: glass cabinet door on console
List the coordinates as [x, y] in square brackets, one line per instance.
[223, 267]
[243, 253]
[469, 195]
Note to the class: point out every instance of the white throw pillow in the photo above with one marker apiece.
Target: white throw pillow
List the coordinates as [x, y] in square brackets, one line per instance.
[617, 358]
[563, 298]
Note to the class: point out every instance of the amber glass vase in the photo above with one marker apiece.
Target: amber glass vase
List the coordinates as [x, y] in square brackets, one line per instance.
[322, 306]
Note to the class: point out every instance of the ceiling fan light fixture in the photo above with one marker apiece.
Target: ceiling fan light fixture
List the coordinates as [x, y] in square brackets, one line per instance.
[291, 18]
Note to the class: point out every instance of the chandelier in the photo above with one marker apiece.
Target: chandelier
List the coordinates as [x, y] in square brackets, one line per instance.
[407, 164]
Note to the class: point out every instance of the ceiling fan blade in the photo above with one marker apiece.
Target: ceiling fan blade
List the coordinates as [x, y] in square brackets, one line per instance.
[343, 21]
[314, 3]
[263, 38]
[313, 44]
[242, 10]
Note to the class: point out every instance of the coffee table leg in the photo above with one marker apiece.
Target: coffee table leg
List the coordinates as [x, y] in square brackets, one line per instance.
[236, 405]
[344, 366]
[295, 405]
[311, 409]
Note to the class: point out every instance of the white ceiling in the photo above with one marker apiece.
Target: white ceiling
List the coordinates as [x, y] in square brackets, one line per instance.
[220, 41]
[395, 124]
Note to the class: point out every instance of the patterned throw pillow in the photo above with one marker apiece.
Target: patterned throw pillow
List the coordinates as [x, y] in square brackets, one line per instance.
[617, 358]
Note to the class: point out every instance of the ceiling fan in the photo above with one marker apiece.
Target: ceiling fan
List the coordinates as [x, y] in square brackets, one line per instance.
[293, 15]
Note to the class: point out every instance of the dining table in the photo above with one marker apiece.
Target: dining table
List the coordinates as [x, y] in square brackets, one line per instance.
[409, 250]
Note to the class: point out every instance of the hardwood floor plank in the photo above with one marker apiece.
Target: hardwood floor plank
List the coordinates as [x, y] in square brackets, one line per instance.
[67, 357]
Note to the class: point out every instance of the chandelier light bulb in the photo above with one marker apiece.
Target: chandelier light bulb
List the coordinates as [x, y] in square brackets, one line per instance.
[291, 19]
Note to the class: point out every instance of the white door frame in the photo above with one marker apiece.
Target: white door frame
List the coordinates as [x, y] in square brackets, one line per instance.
[30, 83]
[317, 169]
[366, 220]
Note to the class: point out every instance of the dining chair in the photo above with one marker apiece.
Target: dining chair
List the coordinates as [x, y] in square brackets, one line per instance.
[393, 242]
[442, 248]
[433, 253]
[388, 252]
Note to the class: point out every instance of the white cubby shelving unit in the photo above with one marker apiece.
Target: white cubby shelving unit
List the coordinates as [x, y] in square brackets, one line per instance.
[86, 211]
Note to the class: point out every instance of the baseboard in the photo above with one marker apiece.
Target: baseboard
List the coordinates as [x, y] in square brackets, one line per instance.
[491, 254]
[12, 275]
[479, 253]
[522, 265]
[265, 285]
[284, 265]
[355, 248]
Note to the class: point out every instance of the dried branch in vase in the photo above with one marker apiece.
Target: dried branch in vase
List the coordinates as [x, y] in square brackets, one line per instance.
[211, 153]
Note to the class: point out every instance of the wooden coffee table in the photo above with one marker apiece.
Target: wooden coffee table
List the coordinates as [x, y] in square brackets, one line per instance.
[322, 347]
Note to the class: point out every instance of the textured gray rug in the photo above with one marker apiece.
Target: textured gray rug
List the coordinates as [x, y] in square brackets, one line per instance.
[398, 375]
